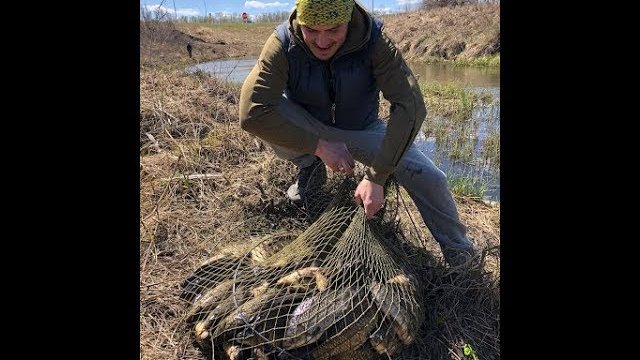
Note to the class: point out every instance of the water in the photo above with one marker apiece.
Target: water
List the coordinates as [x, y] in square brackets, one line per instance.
[484, 121]
[464, 76]
[483, 125]
[484, 171]
[230, 70]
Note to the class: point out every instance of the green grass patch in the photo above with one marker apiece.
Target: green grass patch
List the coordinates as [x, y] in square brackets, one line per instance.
[491, 149]
[492, 61]
[467, 185]
[482, 61]
[450, 121]
[449, 100]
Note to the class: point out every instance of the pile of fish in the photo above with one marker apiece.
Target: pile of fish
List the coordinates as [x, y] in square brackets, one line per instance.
[311, 297]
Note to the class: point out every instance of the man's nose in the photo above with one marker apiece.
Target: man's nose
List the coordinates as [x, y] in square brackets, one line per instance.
[323, 41]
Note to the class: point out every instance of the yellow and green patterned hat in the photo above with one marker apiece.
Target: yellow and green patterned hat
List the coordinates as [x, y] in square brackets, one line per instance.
[323, 12]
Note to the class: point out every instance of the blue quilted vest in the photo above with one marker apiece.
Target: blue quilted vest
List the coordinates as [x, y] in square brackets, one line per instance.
[348, 78]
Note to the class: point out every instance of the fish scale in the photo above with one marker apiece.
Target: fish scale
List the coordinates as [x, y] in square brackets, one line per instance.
[251, 309]
[270, 323]
[314, 316]
[395, 307]
[222, 309]
[364, 352]
[351, 337]
[209, 300]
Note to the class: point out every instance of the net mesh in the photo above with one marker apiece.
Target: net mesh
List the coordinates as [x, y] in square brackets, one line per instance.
[344, 288]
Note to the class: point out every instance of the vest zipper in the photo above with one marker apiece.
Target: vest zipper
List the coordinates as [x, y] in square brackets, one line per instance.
[332, 95]
[333, 113]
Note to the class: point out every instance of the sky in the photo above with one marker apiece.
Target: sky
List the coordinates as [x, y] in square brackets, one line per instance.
[253, 7]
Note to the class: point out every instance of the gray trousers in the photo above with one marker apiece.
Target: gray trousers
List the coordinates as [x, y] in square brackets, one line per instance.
[425, 183]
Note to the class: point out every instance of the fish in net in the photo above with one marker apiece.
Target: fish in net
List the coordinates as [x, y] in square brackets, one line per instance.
[338, 290]
[338, 287]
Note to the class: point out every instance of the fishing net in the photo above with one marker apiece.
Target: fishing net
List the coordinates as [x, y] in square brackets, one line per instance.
[344, 288]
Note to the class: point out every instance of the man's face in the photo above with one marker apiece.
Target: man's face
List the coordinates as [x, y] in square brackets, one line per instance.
[324, 40]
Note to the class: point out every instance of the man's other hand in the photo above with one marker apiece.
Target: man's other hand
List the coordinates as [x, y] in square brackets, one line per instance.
[370, 195]
[336, 156]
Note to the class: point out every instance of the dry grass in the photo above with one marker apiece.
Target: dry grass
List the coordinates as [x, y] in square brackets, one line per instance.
[205, 183]
[166, 42]
[452, 33]
[193, 122]
[189, 126]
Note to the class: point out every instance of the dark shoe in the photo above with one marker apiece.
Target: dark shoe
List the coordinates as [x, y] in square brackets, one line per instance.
[310, 180]
[458, 257]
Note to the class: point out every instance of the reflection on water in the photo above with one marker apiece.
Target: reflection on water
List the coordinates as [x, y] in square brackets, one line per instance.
[464, 76]
[231, 70]
[468, 150]
[236, 70]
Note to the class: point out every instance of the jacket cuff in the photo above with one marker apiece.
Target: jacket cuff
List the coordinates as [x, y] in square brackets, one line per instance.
[310, 144]
[376, 177]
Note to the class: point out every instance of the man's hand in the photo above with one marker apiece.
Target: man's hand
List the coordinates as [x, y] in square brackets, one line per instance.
[336, 156]
[370, 195]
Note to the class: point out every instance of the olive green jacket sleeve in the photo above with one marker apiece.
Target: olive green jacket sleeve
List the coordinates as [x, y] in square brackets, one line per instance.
[259, 98]
[400, 88]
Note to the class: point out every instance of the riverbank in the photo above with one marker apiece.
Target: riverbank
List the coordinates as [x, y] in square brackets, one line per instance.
[467, 34]
[463, 34]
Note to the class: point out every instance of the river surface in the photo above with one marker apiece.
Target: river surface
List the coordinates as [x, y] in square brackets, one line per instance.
[486, 117]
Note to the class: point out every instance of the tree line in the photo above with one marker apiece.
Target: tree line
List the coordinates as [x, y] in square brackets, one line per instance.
[159, 14]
